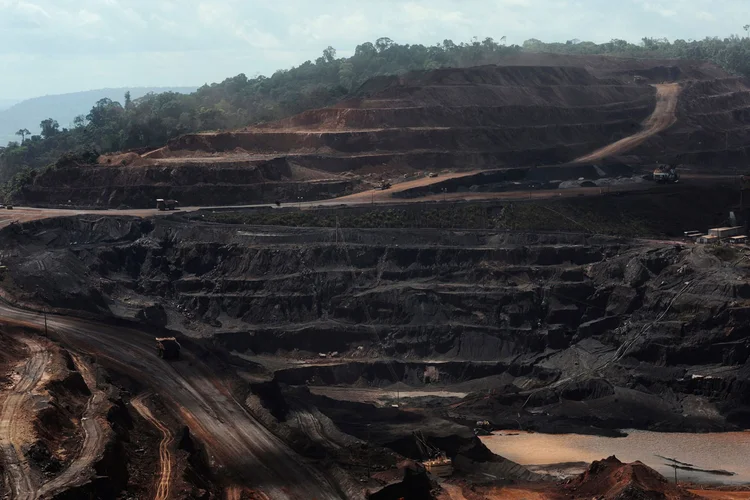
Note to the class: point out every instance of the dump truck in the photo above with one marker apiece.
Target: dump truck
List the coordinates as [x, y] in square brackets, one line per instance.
[168, 348]
[164, 205]
[666, 174]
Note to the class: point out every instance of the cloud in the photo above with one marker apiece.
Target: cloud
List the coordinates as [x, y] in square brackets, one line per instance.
[421, 13]
[658, 8]
[46, 45]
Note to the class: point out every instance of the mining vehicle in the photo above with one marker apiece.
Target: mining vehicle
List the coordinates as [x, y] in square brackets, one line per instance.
[385, 186]
[168, 348]
[438, 463]
[163, 205]
[666, 174]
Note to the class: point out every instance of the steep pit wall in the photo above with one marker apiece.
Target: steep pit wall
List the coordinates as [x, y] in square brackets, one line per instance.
[191, 183]
[539, 307]
[482, 117]
[710, 133]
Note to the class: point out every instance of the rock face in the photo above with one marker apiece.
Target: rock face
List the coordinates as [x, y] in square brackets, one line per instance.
[610, 479]
[153, 315]
[567, 331]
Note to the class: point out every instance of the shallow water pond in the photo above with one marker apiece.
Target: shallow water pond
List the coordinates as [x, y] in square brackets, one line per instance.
[708, 452]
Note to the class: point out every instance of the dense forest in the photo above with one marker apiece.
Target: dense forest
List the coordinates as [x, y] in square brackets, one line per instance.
[239, 101]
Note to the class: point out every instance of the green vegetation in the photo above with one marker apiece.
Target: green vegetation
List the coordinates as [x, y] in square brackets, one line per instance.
[732, 53]
[152, 120]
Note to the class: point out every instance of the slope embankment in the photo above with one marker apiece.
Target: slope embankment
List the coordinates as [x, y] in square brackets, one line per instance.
[458, 119]
[447, 120]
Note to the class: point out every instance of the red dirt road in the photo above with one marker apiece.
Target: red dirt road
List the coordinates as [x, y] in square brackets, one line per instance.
[17, 473]
[663, 117]
[238, 443]
[95, 435]
[163, 483]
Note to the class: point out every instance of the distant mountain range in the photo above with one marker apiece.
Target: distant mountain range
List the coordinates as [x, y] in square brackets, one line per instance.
[64, 108]
[6, 103]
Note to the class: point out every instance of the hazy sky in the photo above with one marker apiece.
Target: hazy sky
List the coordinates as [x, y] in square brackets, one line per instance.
[57, 46]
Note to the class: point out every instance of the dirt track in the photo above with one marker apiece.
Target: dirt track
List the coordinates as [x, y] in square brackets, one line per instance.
[236, 440]
[24, 214]
[664, 116]
[17, 471]
[94, 432]
[165, 455]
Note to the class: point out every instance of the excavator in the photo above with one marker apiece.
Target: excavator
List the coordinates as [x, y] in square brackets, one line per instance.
[437, 463]
[666, 174]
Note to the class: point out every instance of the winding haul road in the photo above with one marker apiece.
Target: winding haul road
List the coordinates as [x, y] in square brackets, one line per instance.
[95, 435]
[165, 455]
[237, 442]
[663, 117]
[12, 419]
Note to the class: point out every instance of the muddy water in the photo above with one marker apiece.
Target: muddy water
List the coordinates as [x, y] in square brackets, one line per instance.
[723, 451]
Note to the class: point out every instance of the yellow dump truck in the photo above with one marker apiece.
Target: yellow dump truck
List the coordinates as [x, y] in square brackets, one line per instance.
[164, 205]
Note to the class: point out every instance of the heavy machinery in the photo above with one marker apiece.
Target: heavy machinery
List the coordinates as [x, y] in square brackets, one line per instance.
[168, 348]
[437, 463]
[666, 174]
[164, 205]
[385, 186]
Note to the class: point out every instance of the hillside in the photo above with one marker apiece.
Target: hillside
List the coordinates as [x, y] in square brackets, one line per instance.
[241, 101]
[6, 103]
[537, 110]
[63, 108]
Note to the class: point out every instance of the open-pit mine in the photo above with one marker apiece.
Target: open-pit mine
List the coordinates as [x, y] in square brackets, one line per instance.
[469, 283]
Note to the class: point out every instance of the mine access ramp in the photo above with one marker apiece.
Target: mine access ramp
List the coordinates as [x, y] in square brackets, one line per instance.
[168, 348]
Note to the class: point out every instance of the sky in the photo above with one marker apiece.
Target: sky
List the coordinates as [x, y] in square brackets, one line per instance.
[60, 46]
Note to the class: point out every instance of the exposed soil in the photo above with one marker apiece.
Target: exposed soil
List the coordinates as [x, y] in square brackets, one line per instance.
[526, 113]
[330, 360]
[164, 477]
[664, 116]
[610, 479]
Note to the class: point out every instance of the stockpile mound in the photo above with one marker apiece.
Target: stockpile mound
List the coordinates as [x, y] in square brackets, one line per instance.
[610, 479]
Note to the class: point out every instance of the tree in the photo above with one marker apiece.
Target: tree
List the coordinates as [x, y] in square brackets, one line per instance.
[329, 54]
[23, 133]
[50, 128]
[79, 121]
[366, 50]
[128, 101]
[383, 44]
[346, 75]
